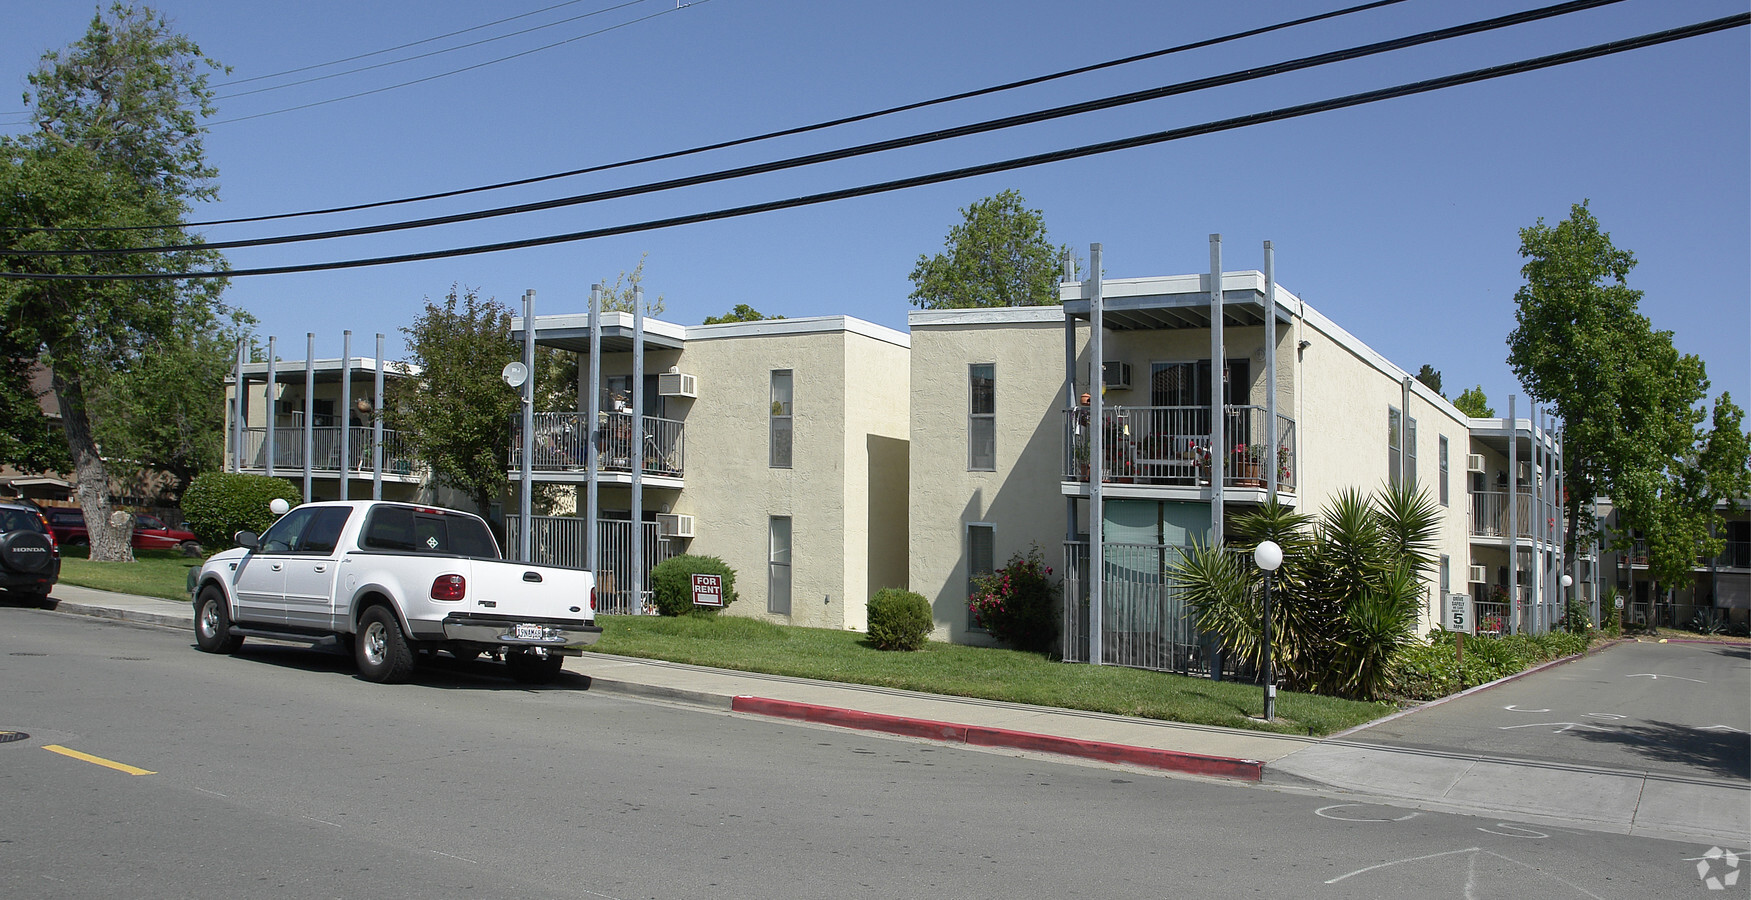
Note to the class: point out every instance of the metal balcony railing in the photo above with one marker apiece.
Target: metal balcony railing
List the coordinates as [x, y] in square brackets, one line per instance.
[1170, 445]
[562, 444]
[398, 459]
[1489, 514]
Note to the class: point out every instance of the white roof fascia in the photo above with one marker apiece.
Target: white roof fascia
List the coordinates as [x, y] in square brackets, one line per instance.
[997, 315]
[806, 325]
[609, 319]
[325, 366]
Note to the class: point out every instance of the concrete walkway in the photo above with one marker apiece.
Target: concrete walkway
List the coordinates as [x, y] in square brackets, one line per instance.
[1527, 791]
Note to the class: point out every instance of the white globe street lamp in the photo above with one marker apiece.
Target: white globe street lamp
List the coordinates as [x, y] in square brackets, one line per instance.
[1268, 556]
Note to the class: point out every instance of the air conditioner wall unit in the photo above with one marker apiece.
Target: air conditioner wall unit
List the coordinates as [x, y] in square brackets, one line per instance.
[678, 384]
[672, 525]
[1474, 462]
[1477, 575]
[1115, 375]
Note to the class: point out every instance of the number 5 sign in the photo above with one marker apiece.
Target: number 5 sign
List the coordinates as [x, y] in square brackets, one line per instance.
[1457, 616]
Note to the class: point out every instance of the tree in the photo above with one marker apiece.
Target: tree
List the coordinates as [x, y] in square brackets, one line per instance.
[1000, 255]
[1630, 403]
[115, 144]
[456, 414]
[166, 405]
[1431, 378]
[1346, 599]
[619, 297]
[742, 313]
[1473, 403]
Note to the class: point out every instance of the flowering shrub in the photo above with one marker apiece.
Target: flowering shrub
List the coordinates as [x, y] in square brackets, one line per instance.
[1018, 603]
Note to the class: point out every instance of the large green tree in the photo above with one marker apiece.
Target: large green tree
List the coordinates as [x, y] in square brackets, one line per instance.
[999, 255]
[115, 144]
[1631, 405]
[1473, 403]
[455, 415]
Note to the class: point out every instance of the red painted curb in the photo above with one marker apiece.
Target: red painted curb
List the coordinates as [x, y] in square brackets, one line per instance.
[979, 736]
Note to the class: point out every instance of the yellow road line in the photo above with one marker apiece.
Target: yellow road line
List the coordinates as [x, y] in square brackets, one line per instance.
[97, 760]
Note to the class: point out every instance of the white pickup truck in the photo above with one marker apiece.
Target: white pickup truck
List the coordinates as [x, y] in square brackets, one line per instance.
[395, 580]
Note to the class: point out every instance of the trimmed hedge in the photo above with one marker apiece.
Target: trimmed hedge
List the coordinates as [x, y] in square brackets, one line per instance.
[1429, 671]
[899, 620]
[672, 583]
[217, 505]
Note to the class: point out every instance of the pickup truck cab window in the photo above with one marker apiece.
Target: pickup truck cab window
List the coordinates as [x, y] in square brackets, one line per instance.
[324, 531]
[406, 529]
[282, 537]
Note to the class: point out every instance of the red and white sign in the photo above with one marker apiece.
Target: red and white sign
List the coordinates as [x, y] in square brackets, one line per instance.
[708, 590]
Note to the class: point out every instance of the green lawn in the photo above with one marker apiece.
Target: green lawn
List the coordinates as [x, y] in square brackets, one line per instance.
[732, 642]
[153, 573]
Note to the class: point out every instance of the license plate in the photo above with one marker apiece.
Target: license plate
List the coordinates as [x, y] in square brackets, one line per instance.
[530, 632]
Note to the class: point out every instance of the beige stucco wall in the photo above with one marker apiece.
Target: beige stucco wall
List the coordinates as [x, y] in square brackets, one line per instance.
[1346, 389]
[849, 395]
[1021, 498]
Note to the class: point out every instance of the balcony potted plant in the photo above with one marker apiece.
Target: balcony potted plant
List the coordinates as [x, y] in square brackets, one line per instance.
[1247, 463]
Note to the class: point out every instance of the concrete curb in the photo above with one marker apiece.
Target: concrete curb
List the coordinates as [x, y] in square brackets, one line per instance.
[981, 736]
[166, 620]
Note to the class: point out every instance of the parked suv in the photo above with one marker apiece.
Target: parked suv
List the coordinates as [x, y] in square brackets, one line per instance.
[30, 560]
[150, 532]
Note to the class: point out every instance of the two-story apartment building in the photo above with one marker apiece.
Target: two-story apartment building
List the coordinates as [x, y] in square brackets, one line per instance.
[779, 446]
[1004, 416]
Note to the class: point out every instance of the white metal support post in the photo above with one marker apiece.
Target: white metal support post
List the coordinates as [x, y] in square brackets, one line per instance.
[309, 408]
[638, 447]
[344, 421]
[593, 428]
[272, 410]
[377, 426]
[1096, 471]
[527, 474]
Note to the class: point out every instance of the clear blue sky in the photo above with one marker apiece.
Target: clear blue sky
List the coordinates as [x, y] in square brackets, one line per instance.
[1399, 220]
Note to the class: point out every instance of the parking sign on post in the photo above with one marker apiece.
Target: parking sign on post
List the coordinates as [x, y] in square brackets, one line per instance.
[1458, 614]
[708, 590]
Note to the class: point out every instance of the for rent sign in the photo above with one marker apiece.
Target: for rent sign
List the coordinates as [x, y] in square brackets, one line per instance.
[708, 590]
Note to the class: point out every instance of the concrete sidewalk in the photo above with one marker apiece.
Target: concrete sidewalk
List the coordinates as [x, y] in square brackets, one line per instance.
[1529, 791]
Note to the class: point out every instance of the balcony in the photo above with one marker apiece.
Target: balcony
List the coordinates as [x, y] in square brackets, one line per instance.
[562, 445]
[1489, 514]
[1169, 446]
[398, 459]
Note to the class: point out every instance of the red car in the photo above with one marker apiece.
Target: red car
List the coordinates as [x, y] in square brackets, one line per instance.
[150, 533]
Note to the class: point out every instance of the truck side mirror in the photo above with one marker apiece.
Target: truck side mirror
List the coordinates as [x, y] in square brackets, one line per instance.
[248, 539]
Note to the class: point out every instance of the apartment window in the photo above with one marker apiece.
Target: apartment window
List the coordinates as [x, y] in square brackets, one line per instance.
[981, 558]
[1399, 437]
[1446, 573]
[982, 418]
[1443, 488]
[778, 565]
[781, 419]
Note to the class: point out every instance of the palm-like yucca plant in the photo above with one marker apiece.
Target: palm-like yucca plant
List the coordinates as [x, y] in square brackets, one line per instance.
[1346, 598]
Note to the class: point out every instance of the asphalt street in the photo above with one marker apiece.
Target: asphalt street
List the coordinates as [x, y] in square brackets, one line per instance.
[1678, 708]
[149, 769]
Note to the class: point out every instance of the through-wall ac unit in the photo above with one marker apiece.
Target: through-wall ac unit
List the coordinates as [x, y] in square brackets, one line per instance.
[1474, 462]
[1477, 575]
[677, 384]
[1115, 375]
[671, 525]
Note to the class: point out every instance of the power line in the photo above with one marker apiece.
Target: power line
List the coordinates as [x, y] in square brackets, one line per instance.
[787, 132]
[917, 139]
[460, 31]
[480, 65]
[1306, 109]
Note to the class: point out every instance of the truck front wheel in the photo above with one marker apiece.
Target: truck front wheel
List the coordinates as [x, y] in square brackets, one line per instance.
[213, 623]
[381, 649]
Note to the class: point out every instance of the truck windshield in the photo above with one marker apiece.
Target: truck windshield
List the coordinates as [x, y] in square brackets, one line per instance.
[408, 530]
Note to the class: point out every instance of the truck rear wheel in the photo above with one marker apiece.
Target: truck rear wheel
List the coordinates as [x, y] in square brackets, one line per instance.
[381, 649]
[213, 623]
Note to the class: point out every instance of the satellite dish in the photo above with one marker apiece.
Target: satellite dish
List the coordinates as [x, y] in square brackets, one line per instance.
[279, 506]
[515, 374]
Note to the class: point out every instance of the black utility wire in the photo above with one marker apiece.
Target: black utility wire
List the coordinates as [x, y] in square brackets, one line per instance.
[913, 140]
[800, 129]
[1404, 90]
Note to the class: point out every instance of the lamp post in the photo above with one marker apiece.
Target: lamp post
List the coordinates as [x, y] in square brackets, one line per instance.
[1269, 556]
[1567, 580]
